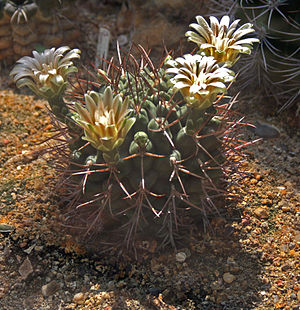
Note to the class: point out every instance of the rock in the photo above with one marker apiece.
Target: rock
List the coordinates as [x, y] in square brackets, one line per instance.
[29, 250]
[297, 237]
[25, 269]
[154, 291]
[216, 285]
[79, 298]
[6, 228]
[180, 257]
[298, 296]
[263, 293]
[261, 213]
[265, 280]
[228, 277]
[50, 288]
[265, 225]
[292, 245]
[39, 248]
[285, 267]
[235, 269]
[288, 184]
[284, 205]
[265, 130]
[111, 285]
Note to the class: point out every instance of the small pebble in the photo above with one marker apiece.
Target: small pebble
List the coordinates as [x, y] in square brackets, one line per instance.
[25, 269]
[285, 267]
[6, 227]
[29, 250]
[50, 288]
[265, 130]
[285, 208]
[228, 277]
[261, 213]
[292, 245]
[263, 293]
[180, 257]
[154, 291]
[265, 280]
[79, 298]
[111, 285]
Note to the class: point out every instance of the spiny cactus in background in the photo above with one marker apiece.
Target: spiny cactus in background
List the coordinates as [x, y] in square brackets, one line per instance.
[146, 150]
[30, 24]
[274, 65]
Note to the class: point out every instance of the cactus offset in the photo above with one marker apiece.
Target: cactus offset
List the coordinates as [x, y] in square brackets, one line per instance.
[150, 147]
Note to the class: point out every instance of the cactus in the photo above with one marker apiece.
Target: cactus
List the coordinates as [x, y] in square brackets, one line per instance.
[30, 24]
[149, 148]
[275, 61]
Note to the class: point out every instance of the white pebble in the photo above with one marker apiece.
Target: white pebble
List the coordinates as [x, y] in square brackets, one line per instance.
[180, 257]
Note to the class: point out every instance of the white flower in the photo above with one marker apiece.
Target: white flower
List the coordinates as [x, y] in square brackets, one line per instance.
[199, 79]
[46, 73]
[221, 40]
[104, 119]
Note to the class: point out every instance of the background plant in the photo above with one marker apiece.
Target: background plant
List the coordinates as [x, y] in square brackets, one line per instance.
[27, 25]
[273, 67]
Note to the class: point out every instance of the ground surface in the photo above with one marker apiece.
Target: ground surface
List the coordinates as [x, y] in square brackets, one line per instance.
[251, 262]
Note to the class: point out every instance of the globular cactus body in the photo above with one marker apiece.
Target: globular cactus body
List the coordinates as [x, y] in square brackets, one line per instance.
[149, 147]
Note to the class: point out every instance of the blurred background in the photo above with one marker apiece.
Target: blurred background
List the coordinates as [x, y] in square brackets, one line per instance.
[268, 78]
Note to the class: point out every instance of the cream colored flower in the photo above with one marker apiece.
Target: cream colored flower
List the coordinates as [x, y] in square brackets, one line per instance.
[46, 73]
[221, 40]
[104, 119]
[199, 79]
